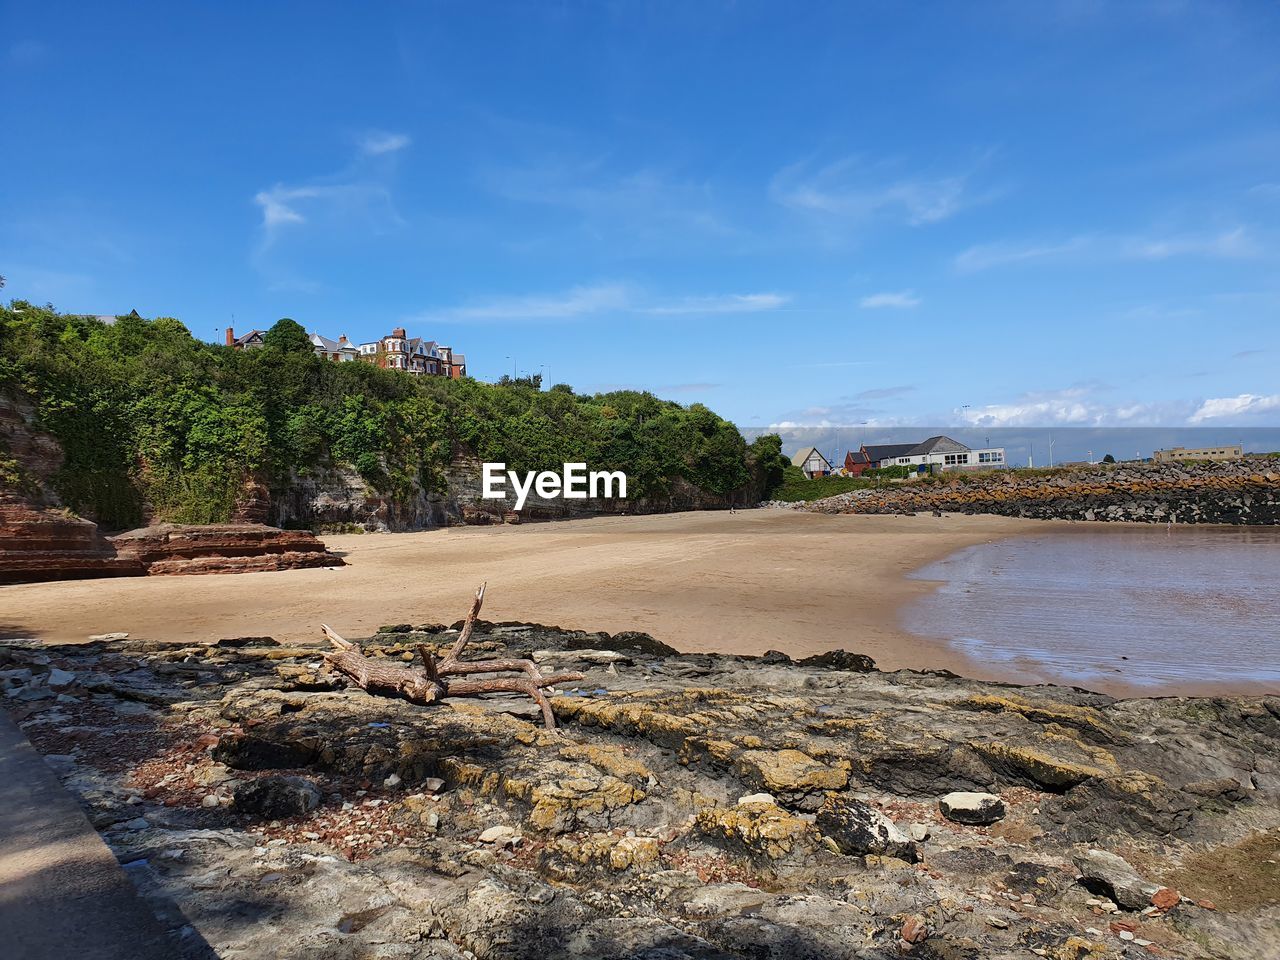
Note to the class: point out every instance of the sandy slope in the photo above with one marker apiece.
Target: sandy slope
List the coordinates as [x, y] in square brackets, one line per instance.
[746, 582]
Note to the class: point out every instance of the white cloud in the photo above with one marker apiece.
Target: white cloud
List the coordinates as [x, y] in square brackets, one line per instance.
[585, 300]
[1233, 244]
[985, 256]
[727, 303]
[1244, 405]
[576, 302]
[853, 189]
[902, 300]
[378, 142]
[1230, 244]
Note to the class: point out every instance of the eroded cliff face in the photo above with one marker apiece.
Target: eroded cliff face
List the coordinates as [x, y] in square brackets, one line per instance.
[336, 497]
[39, 538]
[1237, 492]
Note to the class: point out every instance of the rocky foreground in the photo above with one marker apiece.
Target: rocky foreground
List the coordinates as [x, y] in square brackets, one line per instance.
[689, 806]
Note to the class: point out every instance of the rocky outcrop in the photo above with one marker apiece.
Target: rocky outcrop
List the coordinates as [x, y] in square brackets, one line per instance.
[1237, 492]
[40, 543]
[170, 548]
[673, 812]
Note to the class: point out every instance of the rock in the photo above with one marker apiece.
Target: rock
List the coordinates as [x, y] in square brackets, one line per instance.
[1166, 898]
[975, 809]
[841, 660]
[919, 832]
[170, 548]
[60, 679]
[106, 637]
[499, 835]
[858, 828]
[914, 930]
[433, 784]
[38, 543]
[1105, 873]
[277, 796]
[391, 782]
[757, 798]
[137, 823]
[209, 800]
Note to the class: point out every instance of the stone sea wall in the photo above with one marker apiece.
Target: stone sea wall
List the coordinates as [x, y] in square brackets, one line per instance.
[1235, 492]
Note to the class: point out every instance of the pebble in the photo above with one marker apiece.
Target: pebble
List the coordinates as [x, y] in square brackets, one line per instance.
[433, 784]
[209, 800]
[392, 782]
[137, 823]
[1125, 935]
[919, 832]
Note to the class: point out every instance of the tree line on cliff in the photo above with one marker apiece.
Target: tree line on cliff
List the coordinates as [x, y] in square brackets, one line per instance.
[152, 420]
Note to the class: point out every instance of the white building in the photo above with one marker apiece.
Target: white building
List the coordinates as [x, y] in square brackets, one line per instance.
[812, 463]
[936, 453]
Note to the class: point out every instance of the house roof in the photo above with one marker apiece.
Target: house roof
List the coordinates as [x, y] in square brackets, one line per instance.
[799, 459]
[459, 360]
[888, 451]
[938, 444]
[858, 456]
[251, 335]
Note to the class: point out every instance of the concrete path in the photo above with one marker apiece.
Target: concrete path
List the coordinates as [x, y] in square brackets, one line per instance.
[62, 893]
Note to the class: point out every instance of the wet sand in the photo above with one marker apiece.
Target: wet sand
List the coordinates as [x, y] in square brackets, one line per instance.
[743, 583]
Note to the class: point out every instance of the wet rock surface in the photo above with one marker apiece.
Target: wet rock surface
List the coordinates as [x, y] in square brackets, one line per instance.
[689, 806]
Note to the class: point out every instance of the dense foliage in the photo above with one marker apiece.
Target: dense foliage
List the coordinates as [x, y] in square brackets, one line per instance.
[147, 413]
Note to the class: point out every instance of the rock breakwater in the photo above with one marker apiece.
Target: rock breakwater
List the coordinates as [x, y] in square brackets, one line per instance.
[690, 806]
[1237, 492]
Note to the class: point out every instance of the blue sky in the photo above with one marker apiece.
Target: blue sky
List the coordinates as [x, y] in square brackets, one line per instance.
[1003, 214]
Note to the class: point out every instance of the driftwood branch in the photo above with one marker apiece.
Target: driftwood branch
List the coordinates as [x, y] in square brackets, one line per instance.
[433, 682]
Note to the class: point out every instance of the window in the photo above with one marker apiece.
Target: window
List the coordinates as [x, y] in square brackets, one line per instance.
[952, 459]
[904, 459]
[991, 456]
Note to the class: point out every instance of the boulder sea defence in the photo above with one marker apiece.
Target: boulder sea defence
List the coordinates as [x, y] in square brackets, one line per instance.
[1235, 492]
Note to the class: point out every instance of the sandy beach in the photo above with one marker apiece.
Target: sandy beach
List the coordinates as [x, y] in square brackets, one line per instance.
[743, 583]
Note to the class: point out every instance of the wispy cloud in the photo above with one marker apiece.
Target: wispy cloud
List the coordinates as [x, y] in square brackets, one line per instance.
[1247, 354]
[378, 142]
[639, 205]
[901, 300]
[883, 393]
[576, 302]
[987, 255]
[334, 211]
[586, 300]
[1236, 243]
[858, 190]
[1245, 405]
[727, 303]
[1232, 244]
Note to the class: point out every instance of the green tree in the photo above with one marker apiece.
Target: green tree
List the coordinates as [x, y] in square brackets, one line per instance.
[288, 336]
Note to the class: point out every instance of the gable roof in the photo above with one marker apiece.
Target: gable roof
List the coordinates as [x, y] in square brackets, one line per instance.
[938, 444]
[888, 451]
[250, 336]
[799, 459]
[856, 456]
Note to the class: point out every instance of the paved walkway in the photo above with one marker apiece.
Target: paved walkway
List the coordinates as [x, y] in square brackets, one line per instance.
[62, 893]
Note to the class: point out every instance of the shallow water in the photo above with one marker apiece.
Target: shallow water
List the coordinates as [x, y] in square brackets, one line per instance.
[1156, 609]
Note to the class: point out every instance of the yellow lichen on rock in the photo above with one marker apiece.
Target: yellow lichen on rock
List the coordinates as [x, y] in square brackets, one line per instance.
[791, 771]
[763, 829]
[1042, 768]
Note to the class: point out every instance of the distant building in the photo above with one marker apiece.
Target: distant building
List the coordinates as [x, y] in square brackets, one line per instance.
[249, 341]
[341, 350]
[940, 453]
[856, 462]
[1227, 452]
[812, 463]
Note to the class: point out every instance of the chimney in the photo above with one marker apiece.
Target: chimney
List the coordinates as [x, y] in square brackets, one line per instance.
[231, 336]
[342, 338]
[399, 332]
